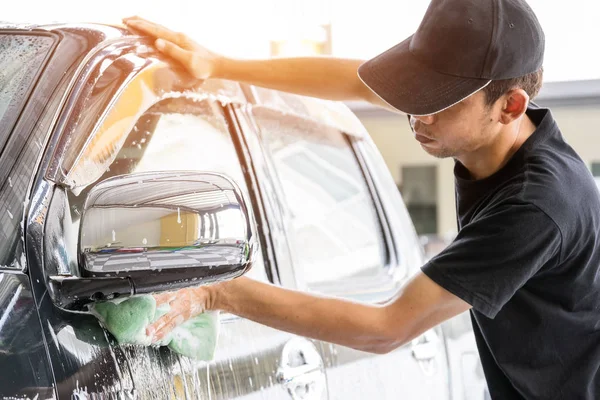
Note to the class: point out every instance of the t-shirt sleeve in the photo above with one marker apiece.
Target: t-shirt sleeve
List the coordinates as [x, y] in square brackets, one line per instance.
[495, 255]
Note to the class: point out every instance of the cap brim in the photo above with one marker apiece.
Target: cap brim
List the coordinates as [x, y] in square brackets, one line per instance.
[410, 86]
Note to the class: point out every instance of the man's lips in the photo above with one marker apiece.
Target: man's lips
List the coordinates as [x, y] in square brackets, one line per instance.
[423, 139]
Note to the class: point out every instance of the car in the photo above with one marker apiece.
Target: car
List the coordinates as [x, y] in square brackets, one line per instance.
[121, 176]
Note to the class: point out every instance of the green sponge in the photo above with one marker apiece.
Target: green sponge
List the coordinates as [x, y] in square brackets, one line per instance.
[127, 320]
[197, 337]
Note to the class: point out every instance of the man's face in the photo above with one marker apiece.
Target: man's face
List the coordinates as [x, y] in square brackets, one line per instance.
[457, 131]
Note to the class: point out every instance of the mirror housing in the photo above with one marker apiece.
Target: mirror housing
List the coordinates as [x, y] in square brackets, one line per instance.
[158, 231]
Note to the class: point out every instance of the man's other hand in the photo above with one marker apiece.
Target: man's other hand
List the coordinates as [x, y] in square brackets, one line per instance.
[184, 304]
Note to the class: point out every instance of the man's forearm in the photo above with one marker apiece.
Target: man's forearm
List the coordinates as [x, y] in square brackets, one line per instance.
[355, 325]
[323, 77]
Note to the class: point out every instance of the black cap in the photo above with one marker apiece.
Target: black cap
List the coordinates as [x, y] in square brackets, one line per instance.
[460, 46]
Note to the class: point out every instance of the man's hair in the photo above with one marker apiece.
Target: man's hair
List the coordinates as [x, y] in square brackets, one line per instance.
[531, 84]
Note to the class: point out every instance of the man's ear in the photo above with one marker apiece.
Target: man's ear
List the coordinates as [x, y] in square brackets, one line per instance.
[515, 105]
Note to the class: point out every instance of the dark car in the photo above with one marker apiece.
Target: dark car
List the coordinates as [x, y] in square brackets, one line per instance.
[118, 179]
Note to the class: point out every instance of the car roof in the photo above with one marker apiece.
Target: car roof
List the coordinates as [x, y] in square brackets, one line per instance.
[334, 114]
[57, 26]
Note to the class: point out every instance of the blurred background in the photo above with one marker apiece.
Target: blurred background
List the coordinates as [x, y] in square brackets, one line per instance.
[264, 28]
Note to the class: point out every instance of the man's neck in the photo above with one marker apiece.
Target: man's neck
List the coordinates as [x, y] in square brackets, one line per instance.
[490, 159]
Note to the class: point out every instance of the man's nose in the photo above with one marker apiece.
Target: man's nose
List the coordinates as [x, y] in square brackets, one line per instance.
[425, 119]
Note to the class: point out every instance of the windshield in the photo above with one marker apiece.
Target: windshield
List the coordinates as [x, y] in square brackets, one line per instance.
[21, 58]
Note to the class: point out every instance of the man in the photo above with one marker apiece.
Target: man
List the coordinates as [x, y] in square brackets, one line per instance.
[526, 258]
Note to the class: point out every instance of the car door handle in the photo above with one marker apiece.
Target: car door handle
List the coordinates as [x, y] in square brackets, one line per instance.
[301, 370]
[424, 350]
[288, 374]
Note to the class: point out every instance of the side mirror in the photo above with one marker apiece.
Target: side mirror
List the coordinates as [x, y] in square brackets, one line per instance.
[148, 232]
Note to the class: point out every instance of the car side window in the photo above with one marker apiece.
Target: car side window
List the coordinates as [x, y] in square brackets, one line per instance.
[21, 59]
[183, 135]
[335, 233]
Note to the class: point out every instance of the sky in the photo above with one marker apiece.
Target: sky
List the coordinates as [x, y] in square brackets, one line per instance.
[360, 29]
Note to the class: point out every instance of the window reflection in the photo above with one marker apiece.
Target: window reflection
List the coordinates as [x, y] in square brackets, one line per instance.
[336, 231]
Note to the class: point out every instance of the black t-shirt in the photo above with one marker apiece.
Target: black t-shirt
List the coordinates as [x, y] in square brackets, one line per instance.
[527, 259]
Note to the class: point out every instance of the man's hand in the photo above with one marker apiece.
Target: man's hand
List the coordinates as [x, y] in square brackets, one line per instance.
[185, 304]
[197, 60]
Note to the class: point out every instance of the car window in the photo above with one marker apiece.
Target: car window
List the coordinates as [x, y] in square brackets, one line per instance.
[410, 251]
[21, 58]
[182, 135]
[336, 233]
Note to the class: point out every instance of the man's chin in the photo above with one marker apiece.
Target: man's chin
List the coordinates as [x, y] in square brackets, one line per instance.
[437, 152]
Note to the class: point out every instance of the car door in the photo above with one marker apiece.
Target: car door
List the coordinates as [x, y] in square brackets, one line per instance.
[345, 243]
[125, 117]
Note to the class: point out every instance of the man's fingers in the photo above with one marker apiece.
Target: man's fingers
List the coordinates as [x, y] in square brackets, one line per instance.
[155, 331]
[156, 30]
[164, 297]
[172, 50]
[132, 17]
[152, 29]
[164, 325]
[185, 57]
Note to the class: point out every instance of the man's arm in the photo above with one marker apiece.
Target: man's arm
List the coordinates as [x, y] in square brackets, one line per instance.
[323, 77]
[419, 306]
[327, 78]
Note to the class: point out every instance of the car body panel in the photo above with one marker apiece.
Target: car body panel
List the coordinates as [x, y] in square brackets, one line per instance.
[26, 370]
